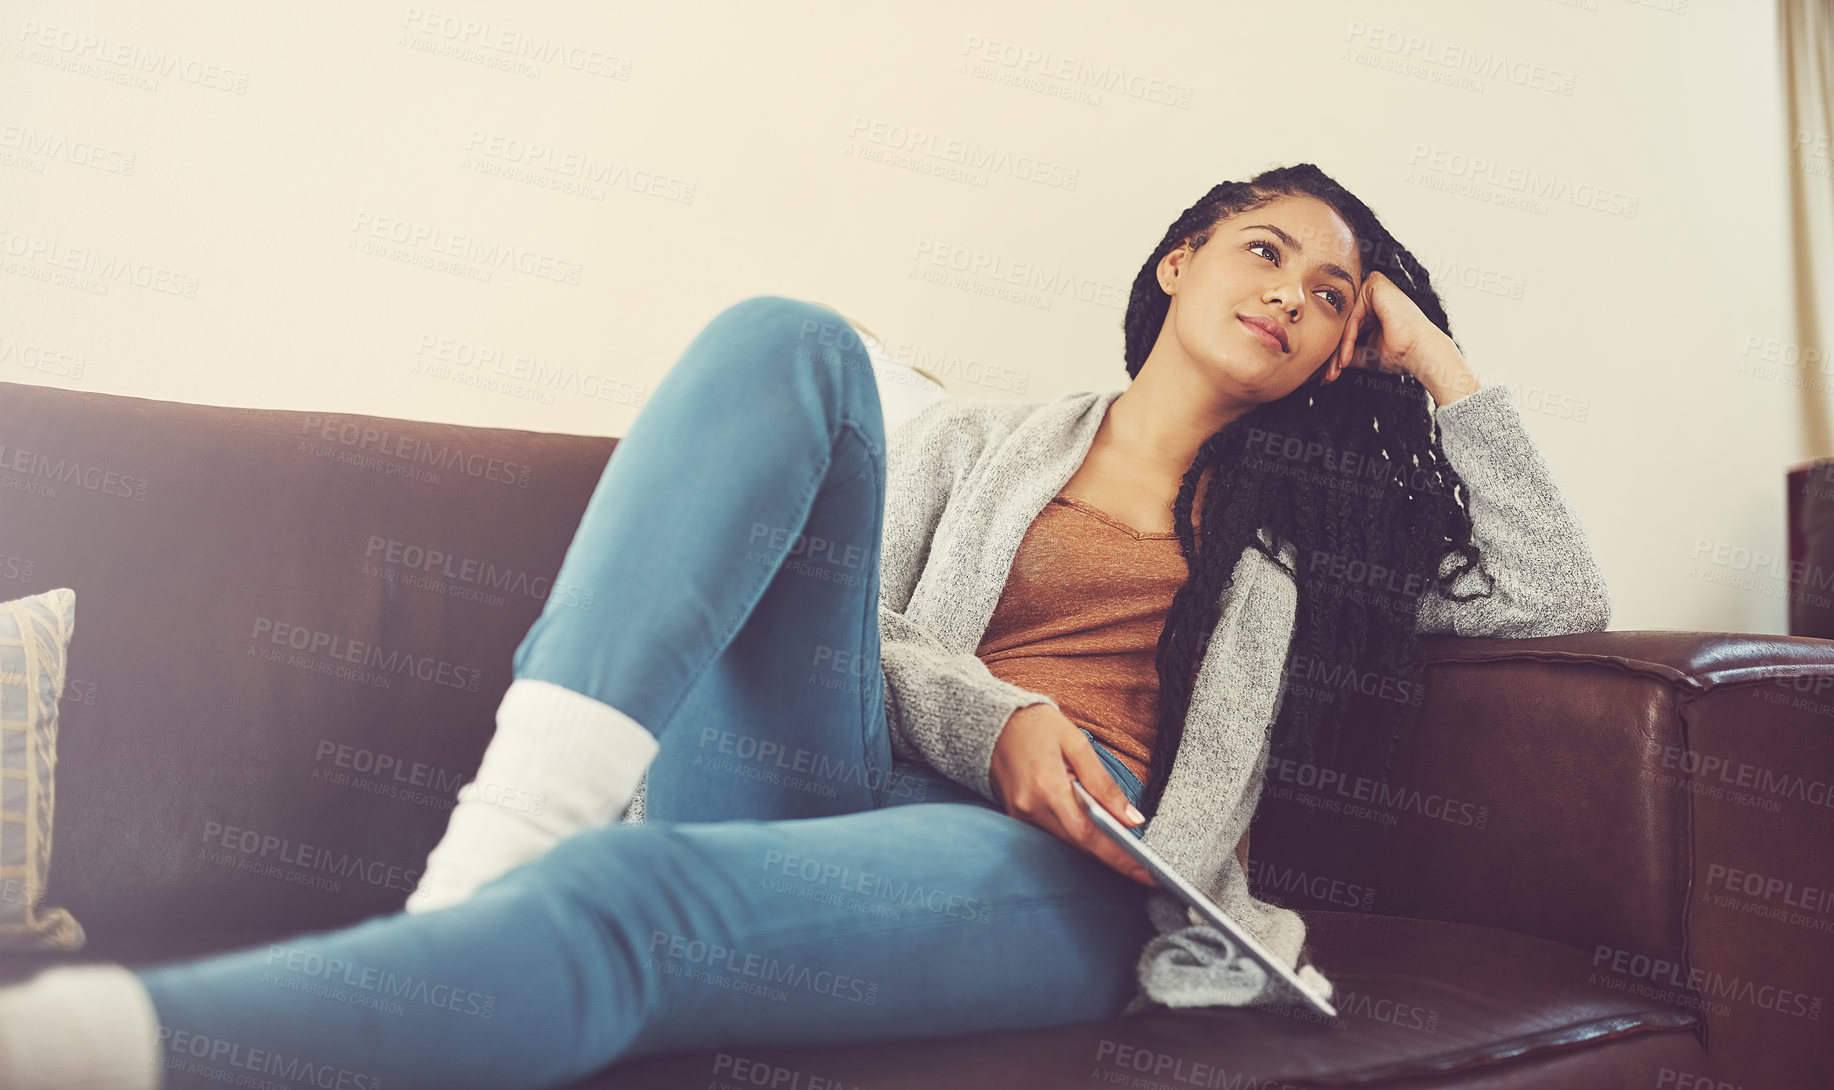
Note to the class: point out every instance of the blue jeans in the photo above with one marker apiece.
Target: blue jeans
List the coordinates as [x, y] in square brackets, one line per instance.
[791, 882]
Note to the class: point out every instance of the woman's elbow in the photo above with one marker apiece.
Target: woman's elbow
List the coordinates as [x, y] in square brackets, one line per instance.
[1585, 607]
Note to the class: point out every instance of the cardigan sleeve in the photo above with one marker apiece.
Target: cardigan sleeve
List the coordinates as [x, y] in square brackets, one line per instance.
[942, 707]
[1546, 580]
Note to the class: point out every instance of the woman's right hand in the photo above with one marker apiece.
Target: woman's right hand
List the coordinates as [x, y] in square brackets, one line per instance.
[1037, 753]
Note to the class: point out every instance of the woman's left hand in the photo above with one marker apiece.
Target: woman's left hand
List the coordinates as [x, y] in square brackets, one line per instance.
[1404, 339]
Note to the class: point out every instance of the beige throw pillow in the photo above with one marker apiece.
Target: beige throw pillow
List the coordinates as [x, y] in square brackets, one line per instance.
[34, 648]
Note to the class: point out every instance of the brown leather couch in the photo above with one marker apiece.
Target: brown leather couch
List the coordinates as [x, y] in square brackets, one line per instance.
[1810, 547]
[1610, 860]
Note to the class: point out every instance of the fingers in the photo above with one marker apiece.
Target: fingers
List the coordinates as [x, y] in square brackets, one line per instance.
[1363, 316]
[1346, 355]
[1058, 812]
[1359, 352]
[1079, 828]
[1086, 766]
[1064, 817]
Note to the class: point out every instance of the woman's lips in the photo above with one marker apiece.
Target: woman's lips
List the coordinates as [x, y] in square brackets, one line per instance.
[1264, 335]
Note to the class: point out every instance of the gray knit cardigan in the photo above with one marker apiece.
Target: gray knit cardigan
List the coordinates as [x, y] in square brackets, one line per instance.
[966, 479]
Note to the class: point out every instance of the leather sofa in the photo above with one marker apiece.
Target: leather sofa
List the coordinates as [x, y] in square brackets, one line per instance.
[1809, 498]
[1607, 863]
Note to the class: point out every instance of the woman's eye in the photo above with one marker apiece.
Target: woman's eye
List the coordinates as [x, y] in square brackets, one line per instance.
[1338, 301]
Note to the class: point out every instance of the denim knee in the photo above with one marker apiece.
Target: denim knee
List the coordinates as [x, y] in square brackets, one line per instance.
[806, 324]
[801, 330]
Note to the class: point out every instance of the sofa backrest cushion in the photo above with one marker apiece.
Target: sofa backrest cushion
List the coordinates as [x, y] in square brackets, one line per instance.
[293, 632]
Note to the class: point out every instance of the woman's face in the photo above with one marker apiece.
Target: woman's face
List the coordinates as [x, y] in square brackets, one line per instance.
[1292, 263]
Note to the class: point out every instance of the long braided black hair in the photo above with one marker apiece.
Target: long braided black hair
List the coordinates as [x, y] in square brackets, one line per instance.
[1353, 475]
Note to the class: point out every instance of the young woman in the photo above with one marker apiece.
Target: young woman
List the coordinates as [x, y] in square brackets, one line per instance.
[842, 680]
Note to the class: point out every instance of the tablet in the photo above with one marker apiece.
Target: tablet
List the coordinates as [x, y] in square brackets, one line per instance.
[1175, 884]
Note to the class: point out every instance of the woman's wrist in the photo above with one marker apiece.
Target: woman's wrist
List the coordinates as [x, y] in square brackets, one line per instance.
[1442, 369]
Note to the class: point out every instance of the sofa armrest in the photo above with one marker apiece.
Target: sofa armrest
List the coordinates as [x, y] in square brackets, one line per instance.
[1663, 799]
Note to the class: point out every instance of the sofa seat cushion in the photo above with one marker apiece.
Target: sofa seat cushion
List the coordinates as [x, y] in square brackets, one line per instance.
[1420, 1004]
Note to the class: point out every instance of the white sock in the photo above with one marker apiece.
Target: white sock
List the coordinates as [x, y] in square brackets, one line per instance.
[79, 1027]
[559, 762]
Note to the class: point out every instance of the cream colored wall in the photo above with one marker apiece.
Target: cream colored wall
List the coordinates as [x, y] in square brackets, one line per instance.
[197, 205]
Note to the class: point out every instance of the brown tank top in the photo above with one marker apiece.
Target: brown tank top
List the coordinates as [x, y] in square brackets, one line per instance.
[1079, 620]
